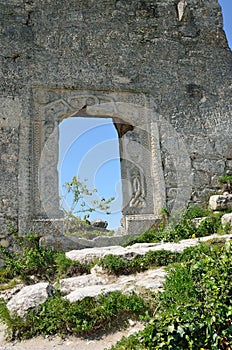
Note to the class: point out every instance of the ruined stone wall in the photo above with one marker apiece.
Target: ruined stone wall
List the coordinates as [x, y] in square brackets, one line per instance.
[176, 55]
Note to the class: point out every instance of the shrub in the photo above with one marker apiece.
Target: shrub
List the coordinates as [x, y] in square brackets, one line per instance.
[115, 265]
[225, 179]
[184, 227]
[31, 259]
[119, 266]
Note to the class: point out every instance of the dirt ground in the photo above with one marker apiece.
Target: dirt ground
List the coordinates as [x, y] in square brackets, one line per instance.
[71, 343]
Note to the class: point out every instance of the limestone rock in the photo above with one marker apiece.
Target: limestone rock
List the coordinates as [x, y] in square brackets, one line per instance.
[97, 271]
[7, 294]
[226, 218]
[4, 243]
[61, 243]
[220, 202]
[92, 291]
[29, 297]
[88, 254]
[68, 285]
[151, 279]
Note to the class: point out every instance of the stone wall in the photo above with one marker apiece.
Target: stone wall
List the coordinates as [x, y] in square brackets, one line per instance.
[175, 55]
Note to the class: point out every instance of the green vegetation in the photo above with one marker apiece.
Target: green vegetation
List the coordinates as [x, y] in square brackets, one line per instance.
[90, 315]
[119, 266]
[30, 259]
[226, 182]
[184, 227]
[195, 308]
[194, 311]
[116, 265]
[226, 179]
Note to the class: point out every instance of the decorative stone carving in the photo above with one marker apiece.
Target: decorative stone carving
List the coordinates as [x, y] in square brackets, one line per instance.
[138, 189]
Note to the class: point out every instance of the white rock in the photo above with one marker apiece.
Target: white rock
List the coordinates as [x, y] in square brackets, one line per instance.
[136, 250]
[28, 297]
[151, 279]
[8, 293]
[88, 254]
[68, 285]
[92, 291]
[226, 218]
[220, 202]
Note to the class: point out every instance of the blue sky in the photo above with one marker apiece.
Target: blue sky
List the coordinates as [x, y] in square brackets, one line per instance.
[227, 18]
[89, 148]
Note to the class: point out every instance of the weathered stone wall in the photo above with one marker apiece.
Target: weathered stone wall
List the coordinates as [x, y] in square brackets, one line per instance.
[176, 55]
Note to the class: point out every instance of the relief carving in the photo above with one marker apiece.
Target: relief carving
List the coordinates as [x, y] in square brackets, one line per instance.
[138, 189]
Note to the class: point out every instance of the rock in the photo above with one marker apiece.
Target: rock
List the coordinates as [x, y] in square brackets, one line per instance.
[151, 279]
[68, 285]
[88, 254]
[67, 243]
[220, 202]
[136, 250]
[99, 223]
[181, 8]
[98, 271]
[4, 243]
[7, 294]
[226, 218]
[29, 297]
[96, 283]
[92, 291]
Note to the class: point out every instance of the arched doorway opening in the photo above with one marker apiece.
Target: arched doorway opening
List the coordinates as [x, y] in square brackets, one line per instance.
[143, 187]
[89, 149]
